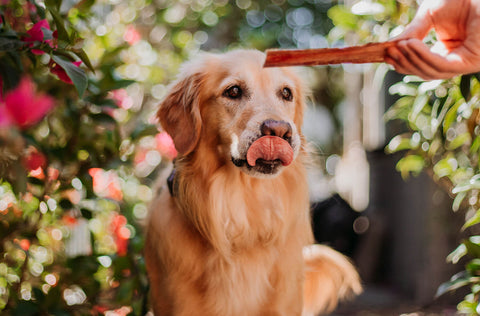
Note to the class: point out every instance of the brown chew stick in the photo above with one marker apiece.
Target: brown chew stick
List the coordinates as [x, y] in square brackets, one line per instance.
[369, 53]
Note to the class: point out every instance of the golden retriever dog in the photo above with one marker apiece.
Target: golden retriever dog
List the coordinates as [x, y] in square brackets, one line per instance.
[231, 237]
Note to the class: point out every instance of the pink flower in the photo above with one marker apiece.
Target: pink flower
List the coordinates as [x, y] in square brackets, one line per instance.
[60, 72]
[122, 99]
[36, 35]
[23, 106]
[165, 145]
[5, 119]
[106, 184]
[131, 35]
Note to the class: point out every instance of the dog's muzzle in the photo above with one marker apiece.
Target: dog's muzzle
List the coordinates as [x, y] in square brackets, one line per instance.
[271, 150]
[273, 145]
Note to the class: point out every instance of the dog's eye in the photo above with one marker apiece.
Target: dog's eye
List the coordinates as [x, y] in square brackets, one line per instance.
[234, 92]
[287, 94]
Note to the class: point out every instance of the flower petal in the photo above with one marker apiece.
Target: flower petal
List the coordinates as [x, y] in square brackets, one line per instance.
[25, 106]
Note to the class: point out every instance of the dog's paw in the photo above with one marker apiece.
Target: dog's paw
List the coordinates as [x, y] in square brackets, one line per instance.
[329, 278]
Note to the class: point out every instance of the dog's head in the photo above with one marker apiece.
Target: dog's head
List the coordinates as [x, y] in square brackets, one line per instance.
[249, 115]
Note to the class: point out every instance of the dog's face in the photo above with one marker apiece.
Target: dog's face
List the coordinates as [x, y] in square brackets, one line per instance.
[249, 115]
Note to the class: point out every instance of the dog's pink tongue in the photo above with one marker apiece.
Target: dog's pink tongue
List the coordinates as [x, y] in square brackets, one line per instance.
[270, 148]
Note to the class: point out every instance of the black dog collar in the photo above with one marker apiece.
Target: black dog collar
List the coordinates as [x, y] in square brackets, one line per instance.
[171, 182]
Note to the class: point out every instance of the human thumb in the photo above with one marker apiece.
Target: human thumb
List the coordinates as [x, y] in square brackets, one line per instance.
[419, 26]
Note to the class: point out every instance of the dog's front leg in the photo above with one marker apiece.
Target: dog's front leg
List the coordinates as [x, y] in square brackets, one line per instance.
[286, 298]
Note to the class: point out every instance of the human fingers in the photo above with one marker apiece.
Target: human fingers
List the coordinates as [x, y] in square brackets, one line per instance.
[415, 58]
[461, 60]
[420, 25]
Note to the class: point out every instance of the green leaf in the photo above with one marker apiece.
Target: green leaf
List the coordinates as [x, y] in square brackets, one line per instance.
[473, 246]
[341, 16]
[103, 118]
[404, 89]
[410, 164]
[53, 4]
[451, 115]
[465, 83]
[84, 57]
[85, 5]
[458, 200]
[418, 105]
[460, 140]
[473, 183]
[59, 22]
[9, 74]
[473, 267]
[111, 81]
[7, 44]
[144, 130]
[475, 145]
[77, 74]
[467, 306]
[477, 76]
[26, 308]
[399, 143]
[459, 280]
[455, 256]
[475, 219]
[400, 110]
[445, 167]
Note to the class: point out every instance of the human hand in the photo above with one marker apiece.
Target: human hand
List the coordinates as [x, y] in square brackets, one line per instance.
[457, 26]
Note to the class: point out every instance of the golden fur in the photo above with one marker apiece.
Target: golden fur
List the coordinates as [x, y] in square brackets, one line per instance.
[231, 241]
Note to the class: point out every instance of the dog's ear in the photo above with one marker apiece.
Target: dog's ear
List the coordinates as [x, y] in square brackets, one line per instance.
[179, 113]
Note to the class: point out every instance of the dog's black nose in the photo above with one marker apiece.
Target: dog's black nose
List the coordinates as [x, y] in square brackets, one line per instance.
[276, 128]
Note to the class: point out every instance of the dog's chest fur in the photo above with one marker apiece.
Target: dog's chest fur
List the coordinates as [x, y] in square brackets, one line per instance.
[249, 227]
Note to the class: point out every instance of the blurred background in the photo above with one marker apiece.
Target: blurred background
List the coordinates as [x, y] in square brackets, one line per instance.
[78, 165]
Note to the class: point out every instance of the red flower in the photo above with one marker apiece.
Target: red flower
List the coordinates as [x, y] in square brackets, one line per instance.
[5, 119]
[23, 243]
[34, 159]
[36, 35]
[60, 72]
[121, 233]
[165, 145]
[69, 220]
[23, 106]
